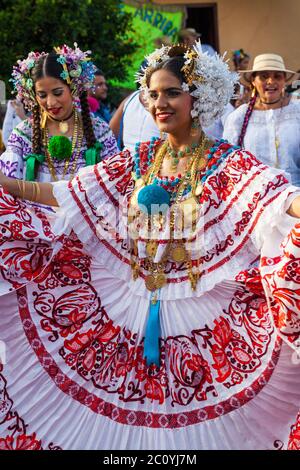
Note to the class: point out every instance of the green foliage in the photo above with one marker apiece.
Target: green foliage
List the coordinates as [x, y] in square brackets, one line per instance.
[98, 25]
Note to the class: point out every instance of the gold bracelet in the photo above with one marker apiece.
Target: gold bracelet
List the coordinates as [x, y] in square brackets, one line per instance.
[19, 189]
[38, 192]
[23, 189]
[33, 192]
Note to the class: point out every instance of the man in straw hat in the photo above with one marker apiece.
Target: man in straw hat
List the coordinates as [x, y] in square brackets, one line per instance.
[268, 126]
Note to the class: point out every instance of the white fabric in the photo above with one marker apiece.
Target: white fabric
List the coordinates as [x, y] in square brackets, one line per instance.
[138, 124]
[215, 131]
[263, 128]
[74, 331]
[11, 120]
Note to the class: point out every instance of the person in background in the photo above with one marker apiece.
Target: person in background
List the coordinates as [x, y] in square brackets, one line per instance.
[132, 122]
[216, 129]
[242, 92]
[100, 93]
[15, 113]
[54, 86]
[269, 126]
[189, 36]
[293, 89]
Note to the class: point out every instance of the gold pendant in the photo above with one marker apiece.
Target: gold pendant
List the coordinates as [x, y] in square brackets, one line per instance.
[43, 119]
[63, 127]
[160, 280]
[150, 282]
[179, 254]
[151, 248]
[189, 208]
[202, 163]
[199, 189]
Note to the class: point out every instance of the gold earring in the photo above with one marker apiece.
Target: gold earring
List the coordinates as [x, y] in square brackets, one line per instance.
[253, 92]
[194, 128]
[43, 119]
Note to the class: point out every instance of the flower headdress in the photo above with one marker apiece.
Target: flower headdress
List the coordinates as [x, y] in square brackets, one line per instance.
[239, 54]
[207, 78]
[78, 72]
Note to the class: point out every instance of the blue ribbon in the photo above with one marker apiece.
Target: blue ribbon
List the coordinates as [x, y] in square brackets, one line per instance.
[151, 343]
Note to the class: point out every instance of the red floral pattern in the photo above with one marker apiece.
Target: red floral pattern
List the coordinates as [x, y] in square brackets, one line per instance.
[294, 439]
[241, 342]
[281, 277]
[20, 442]
[14, 427]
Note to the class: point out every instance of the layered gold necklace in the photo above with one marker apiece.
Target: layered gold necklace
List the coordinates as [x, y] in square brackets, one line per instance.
[77, 139]
[188, 209]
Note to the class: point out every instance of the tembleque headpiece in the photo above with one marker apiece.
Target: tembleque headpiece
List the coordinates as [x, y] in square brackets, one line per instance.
[78, 71]
[207, 78]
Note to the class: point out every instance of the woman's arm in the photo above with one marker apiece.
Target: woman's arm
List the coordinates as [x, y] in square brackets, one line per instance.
[294, 209]
[32, 191]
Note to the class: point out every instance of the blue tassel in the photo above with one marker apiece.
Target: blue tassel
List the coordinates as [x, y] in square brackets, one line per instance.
[151, 343]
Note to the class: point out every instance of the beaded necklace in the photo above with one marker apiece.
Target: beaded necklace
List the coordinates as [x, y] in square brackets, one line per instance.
[199, 169]
[77, 138]
[214, 155]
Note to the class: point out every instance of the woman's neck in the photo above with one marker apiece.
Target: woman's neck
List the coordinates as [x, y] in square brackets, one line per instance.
[262, 105]
[180, 142]
[54, 129]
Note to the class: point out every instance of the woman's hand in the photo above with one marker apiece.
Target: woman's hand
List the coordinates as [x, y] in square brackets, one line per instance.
[3, 179]
[31, 191]
[294, 209]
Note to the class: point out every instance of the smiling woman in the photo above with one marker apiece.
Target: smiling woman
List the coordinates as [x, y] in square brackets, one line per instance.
[158, 307]
[52, 86]
[269, 126]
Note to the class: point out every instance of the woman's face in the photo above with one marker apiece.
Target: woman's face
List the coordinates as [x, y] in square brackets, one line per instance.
[55, 97]
[269, 85]
[244, 63]
[169, 105]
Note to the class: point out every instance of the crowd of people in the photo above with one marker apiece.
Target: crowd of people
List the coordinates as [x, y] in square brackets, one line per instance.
[150, 263]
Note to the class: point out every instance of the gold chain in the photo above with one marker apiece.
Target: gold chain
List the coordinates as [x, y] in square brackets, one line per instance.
[157, 278]
[77, 138]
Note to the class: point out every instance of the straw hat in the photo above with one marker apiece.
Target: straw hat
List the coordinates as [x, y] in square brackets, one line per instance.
[267, 63]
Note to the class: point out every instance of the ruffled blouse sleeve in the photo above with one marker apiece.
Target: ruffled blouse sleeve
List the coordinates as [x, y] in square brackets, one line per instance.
[91, 203]
[19, 144]
[280, 272]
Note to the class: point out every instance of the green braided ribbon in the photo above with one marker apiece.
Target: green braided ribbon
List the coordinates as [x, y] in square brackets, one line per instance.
[31, 160]
[92, 154]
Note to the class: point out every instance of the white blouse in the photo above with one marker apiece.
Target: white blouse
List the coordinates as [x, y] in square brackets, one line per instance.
[264, 128]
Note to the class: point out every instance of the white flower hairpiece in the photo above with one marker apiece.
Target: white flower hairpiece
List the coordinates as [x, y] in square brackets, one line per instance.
[207, 78]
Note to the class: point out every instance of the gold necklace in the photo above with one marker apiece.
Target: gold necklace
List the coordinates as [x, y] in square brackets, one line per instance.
[63, 125]
[77, 138]
[175, 249]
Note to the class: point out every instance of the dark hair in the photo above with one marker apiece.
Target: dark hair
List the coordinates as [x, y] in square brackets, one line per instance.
[48, 66]
[99, 73]
[249, 111]
[238, 56]
[173, 65]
